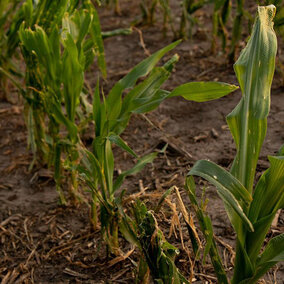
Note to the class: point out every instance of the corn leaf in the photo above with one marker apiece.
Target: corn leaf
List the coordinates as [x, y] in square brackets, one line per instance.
[96, 35]
[269, 190]
[254, 70]
[145, 96]
[162, 199]
[72, 68]
[78, 26]
[99, 111]
[272, 254]
[108, 167]
[281, 151]
[207, 230]
[114, 102]
[267, 199]
[143, 92]
[93, 173]
[49, 14]
[122, 144]
[128, 233]
[203, 91]
[116, 32]
[38, 42]
[152, 103]
[228, 187]
[62, 119]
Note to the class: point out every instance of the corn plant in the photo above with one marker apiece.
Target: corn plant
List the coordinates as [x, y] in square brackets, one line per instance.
[8, 15]
[237, 29]
[115, 3]
[54, 58]
[167, 17]
[157, 254]
[148, 8]
[222, 11]
[111, 116]
[251, 211]
[187, 18]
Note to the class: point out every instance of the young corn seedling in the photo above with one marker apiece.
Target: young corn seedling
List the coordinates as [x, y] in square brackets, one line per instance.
[111, 116]
[187, 18]
[149, 9]
[251, 211]
[241, 15]
[222, 11]
[56, 62]
[115, 3]
[8, 15]
[167, 17]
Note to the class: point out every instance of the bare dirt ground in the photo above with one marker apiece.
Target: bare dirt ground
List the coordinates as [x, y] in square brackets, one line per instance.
[42, 242]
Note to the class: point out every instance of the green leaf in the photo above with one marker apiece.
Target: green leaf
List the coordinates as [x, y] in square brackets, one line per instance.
[228, 187]
[83, 23]
[99, 112]
[142, 273]
[269, 190]
[38, 42]
[254, 70]
[254, 241]
[203, 91]
[49, 14]
[96, 35]
[281, 151]
[61, 119]
[162, 199]
[209, 237]
[267, 199]
[114, 102]
[151, 103]
[120, 143]
[206, 228]
[144, 97]
[94, 174]
[116, 32]
[72, 69]
[273, 253]
[143, 92]
[127, 231]
[109, 167]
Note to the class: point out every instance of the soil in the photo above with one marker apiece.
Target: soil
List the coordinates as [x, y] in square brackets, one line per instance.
[43, 242]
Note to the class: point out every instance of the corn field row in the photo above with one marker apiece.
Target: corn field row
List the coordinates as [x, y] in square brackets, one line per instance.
[59, 41]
